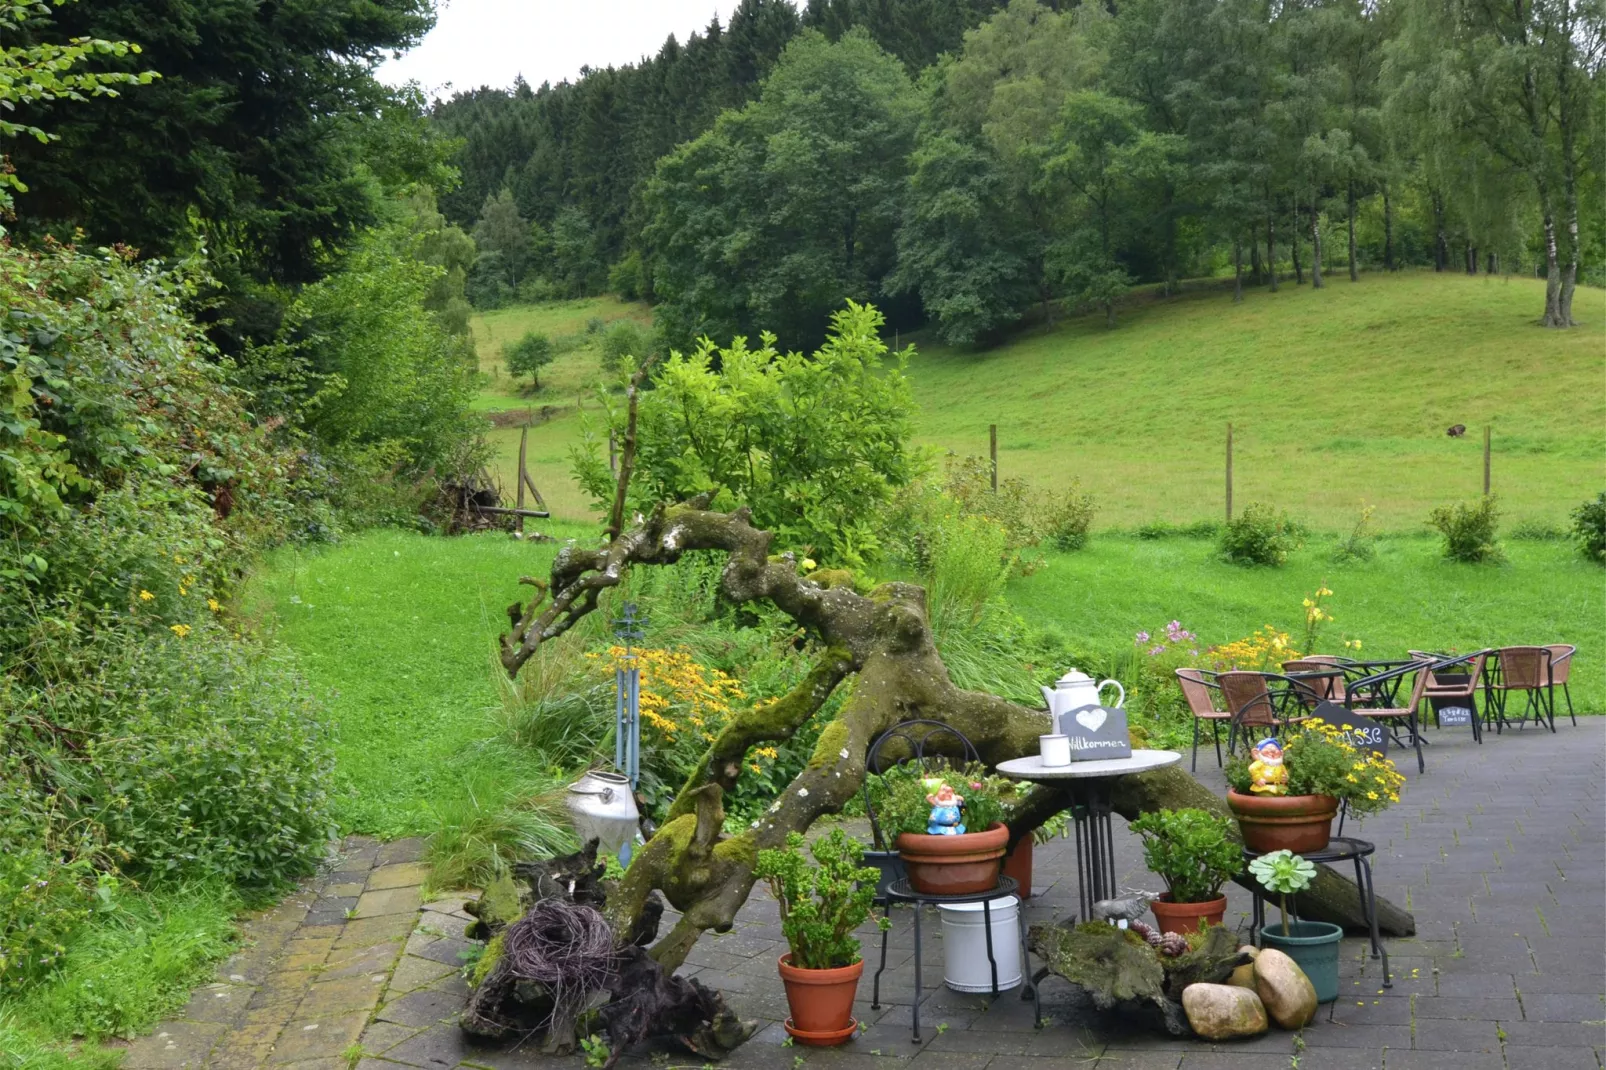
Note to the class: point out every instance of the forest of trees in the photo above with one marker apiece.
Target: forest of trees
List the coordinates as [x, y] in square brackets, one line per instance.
[971, 162]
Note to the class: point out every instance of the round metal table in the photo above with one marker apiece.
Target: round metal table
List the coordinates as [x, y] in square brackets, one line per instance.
[901, 891]
[1088, 784]
[1338, 849]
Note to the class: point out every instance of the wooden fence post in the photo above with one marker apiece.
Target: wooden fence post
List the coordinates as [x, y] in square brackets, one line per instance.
[518, 520]
[613, 454]
[992, 451]
[1229, 473]
[1486, 432]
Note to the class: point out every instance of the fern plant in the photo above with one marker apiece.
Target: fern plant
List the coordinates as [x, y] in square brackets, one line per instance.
[821, 904]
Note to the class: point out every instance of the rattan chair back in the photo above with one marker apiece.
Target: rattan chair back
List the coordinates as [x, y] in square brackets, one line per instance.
[1197, 693]
[1561, 662]
[1523, 668]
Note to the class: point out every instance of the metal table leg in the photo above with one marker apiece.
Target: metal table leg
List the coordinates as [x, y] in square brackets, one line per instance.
[918, 990]
[1095, 843]
[875, 995]
[987, 929]
[1369, 899]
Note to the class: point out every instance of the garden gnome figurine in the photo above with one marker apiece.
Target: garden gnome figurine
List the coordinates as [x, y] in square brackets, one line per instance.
[944, 820]
[1267, 774]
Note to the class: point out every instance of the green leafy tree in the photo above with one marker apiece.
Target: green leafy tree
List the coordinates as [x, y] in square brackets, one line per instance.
[814, 444]
[38, 73]
[502, 231]
[529, 355]
[789, 206]
[576, 267]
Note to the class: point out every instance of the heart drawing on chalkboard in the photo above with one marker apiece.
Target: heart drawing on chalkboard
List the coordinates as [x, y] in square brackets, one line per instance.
[1091, 719]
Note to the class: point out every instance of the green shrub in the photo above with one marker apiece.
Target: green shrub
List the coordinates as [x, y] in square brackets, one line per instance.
[481, 832]
[1067, 517]
[628, 277]
[1260, 535]
[528, 356]
[1193, 851]
[1589, 528]
[624, 339]
[1469, 531]
[821, 904]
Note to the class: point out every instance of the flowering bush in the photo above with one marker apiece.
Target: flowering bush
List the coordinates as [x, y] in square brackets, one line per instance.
[1261, 651]
[1320, 761]
[684, 704]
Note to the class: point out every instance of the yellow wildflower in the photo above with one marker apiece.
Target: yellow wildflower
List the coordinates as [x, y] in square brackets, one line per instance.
[146, 596]
[213, 605]
[180, 630]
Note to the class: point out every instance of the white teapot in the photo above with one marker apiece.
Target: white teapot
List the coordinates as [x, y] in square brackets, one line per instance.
[1077, 689]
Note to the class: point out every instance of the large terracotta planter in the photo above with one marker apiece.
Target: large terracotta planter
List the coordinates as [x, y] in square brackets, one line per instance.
[953, 865]
[1018, 864]
[1298, 823]
[1184, 917]
[821, 1002]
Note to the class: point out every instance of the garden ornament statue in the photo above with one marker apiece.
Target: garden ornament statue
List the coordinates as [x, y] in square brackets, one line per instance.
[1267, 773]
[1123, 909]
[945, 806]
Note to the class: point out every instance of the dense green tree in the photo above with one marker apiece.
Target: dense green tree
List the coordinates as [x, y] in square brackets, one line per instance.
[576, 267]
[529, 355]
[789, 206]
[249, 141]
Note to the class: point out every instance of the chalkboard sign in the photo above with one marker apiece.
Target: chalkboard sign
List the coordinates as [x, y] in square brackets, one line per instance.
[1097, 732]
[1362, 733]
[1451, 711]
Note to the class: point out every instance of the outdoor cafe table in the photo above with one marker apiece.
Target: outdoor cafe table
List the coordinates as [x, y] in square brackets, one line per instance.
[1088, 784]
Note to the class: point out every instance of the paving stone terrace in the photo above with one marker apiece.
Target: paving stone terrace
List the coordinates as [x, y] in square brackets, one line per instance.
[1500, 851]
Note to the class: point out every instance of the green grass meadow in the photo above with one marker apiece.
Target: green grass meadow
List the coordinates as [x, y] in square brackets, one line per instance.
[1337, 397]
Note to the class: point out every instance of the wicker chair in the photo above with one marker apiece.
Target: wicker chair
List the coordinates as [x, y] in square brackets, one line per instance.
[1196, 690]
[1319, 689]
[1525, 669]
[1561, 667]
[1406, 713]
[1462, 685]
[1251, 703]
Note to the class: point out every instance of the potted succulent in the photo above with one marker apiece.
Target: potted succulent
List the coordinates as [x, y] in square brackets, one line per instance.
[1194, 852]
[1285, 796]
[822, 905]
[1311, 944]
[948, 828]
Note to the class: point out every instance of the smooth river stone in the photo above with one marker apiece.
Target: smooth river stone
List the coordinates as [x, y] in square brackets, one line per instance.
[1289, 996]
[1223, 1012]
[1244, 976]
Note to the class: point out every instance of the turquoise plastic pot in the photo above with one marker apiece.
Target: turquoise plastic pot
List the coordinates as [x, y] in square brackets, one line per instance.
[1314, 945]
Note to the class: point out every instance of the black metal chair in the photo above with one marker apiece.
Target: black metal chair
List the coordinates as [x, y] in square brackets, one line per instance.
[1526, 669]
[1255, 703]
[1387, 683]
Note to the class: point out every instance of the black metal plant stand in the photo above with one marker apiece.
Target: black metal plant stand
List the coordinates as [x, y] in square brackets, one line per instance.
[1094, 834]
[1338, 849]
[900, 891]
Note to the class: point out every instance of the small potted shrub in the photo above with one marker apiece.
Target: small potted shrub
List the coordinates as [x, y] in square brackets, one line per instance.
[1285, 797]
[822, 905]
[1314, 945]
[961, 854]
[1194, 852]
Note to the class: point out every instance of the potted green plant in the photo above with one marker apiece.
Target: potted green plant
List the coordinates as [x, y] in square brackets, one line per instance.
[948, 828]
[1285, 794]
[1194, 852]
[822, 904]
[1311, 944]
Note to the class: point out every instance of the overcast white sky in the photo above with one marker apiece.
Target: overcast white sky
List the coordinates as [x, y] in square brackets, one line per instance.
[490, 42]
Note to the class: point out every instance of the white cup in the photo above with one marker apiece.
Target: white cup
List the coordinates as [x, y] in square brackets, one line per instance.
[1055, 750]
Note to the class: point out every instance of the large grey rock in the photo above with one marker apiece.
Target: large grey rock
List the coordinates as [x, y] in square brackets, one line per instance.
[1222, 1012]
[1289, 996]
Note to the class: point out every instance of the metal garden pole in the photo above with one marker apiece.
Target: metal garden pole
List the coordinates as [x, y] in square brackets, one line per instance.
[627, 705]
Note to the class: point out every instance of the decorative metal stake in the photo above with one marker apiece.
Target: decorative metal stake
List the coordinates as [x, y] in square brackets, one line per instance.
[627, 705]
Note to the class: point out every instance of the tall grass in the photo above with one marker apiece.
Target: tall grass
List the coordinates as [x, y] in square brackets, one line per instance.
[481, 832]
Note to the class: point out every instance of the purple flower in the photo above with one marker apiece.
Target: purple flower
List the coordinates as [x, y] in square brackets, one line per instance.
[1156, 650]
[1143, 637]
[1195, 653]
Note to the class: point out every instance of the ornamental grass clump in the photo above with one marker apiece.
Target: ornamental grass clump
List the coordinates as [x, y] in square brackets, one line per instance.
[1192, 850]
[821, 904]
[1321, 761]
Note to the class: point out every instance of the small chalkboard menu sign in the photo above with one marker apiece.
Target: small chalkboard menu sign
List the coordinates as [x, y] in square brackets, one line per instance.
[1096, 733]
[1451, 712]
[1362, 733]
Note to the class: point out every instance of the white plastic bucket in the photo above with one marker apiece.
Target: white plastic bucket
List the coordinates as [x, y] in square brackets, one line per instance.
[964, 945]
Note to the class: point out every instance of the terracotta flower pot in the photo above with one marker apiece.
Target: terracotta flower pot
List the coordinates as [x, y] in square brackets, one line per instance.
[1297, 823]
[1018, 864]
[821, 1001]
[953, 865]
[1184, 917]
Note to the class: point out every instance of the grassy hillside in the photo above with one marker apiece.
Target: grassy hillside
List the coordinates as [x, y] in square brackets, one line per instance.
[1336, 396]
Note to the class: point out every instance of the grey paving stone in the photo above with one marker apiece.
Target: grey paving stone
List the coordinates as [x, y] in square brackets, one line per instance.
[1548, 1058]
[1441, 1060]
